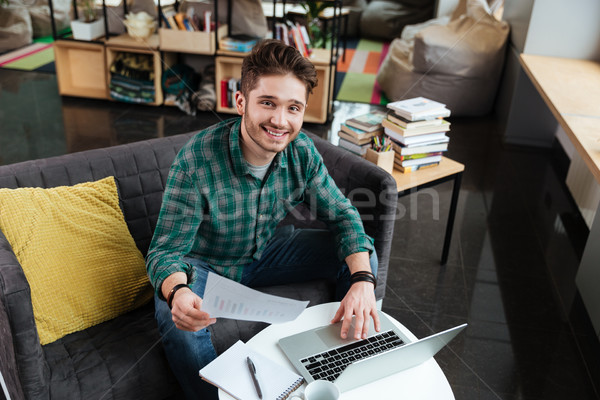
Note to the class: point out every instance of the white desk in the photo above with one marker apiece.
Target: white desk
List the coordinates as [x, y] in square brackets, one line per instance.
[424, 382]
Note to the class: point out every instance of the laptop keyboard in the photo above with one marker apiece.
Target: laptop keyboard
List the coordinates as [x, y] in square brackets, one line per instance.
[330, 364]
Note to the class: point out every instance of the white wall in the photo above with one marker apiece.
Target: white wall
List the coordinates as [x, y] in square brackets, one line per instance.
[565, 29]
[555, 28]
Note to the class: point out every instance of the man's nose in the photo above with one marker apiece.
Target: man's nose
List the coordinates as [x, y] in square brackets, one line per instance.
[278, 118]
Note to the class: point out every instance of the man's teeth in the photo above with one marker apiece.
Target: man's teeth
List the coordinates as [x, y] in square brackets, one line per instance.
[275, 133]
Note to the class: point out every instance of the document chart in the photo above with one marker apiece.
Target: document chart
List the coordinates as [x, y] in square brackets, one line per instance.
[224, 298]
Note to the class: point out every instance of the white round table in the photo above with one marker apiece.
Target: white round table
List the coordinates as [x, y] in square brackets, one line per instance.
[424, 382]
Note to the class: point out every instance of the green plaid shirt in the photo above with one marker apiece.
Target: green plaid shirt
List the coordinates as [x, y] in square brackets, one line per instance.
[214, 209]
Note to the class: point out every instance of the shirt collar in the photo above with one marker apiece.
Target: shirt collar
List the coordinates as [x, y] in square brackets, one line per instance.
[237, 157]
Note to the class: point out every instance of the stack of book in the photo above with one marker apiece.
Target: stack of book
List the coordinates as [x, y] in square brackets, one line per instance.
[186, 22]
[228, 88]
[238, 43]
[293, 34]
[418, 131]
[356, 133]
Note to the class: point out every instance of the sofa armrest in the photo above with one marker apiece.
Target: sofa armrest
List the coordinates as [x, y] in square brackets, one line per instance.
[374, 194]
[20, 328]
[8, 362]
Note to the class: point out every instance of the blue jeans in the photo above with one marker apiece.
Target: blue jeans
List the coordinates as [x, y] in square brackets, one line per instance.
[292, 255]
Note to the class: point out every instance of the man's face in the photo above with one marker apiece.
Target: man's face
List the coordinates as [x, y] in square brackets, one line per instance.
[272, 116]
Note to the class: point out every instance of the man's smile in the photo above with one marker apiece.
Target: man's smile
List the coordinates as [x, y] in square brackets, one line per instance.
[275, 133]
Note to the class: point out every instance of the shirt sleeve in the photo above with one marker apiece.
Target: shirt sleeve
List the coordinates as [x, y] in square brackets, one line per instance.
[333, 208]
[176, 228]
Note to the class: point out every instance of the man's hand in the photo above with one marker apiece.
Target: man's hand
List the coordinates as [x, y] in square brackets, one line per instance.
[187, 313]
[359, 301]
[186, 306]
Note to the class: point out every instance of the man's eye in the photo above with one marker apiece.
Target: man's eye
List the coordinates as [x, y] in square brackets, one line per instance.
[295, 108]
[267, 103]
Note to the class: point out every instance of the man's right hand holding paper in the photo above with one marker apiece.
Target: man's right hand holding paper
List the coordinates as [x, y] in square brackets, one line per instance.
[185, 305]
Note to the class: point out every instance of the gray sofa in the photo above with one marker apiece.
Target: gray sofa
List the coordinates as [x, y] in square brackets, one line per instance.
[123, 358]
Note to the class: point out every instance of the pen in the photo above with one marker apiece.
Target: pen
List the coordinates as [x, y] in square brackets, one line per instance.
[252, 369]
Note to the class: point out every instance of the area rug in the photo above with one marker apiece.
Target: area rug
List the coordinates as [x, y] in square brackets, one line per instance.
[37, 56]
[356, 73]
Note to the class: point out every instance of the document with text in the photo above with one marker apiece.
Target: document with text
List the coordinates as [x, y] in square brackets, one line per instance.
[224, 298]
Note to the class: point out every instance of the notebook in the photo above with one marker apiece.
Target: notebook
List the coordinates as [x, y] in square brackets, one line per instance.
[230, 373]
[320, 353]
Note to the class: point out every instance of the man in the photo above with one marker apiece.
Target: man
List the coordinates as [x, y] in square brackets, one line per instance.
[227, 190]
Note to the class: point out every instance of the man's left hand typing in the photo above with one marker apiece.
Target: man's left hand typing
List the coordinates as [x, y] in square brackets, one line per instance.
[359, 301]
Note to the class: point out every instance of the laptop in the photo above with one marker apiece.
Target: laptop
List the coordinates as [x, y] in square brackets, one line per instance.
[320, 353]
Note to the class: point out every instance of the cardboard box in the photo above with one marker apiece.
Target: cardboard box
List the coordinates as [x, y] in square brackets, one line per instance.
[189, 42]
[383, 160]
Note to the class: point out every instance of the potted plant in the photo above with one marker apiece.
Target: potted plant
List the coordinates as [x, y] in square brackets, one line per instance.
[89, 26]
[318, 38]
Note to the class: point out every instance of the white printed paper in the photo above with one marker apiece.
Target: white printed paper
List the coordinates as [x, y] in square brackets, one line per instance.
[224, 298]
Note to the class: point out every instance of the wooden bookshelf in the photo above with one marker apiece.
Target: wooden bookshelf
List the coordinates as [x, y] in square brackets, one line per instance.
[80, 69]
[126, 44]
[83, 67]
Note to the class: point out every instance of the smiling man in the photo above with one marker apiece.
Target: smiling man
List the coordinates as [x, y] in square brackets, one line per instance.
[227, 191]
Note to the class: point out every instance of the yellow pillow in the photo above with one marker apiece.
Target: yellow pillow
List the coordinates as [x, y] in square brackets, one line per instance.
[78, 256]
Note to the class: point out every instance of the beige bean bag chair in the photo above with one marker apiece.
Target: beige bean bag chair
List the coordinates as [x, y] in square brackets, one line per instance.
[454, 60]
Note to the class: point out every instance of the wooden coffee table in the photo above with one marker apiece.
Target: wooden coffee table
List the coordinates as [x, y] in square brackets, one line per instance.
[413, 181]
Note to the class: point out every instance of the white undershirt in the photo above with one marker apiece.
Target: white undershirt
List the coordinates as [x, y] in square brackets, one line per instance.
[258, 171]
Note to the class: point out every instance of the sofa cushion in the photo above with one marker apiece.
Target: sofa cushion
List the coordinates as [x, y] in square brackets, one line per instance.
[79, 258]
[118, 359]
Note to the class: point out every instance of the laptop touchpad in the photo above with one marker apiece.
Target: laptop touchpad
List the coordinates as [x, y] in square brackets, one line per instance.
[330, 334]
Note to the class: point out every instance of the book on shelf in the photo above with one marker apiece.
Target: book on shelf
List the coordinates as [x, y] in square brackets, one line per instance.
[305, 36]
[299, 40]
[192, 19]
[412, 168]
[419, 108]
[180, 21]
[354, 139]
[403, 122]
[359, 133]
[229, 372]
[228, 88]
[165, 20]
[282, 33]
[169, 18]
[292, 34]
[421, 130]
[369, 122]
[207, 21]
[238, 43]
[428, 137]
[231, 89]
[353, 147]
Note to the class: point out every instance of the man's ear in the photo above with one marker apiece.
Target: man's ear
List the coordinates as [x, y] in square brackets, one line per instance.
[240, 102]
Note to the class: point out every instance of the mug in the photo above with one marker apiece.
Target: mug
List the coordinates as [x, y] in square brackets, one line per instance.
[319, 390]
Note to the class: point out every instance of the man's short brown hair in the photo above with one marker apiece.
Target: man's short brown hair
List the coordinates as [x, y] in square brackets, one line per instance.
[273, 57]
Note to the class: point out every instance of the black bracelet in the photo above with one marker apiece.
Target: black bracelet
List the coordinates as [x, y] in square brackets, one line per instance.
[172, 293]
[363, 276]
[362, 273]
